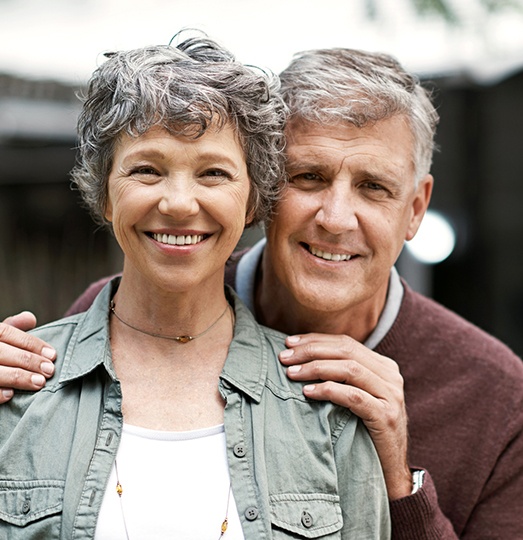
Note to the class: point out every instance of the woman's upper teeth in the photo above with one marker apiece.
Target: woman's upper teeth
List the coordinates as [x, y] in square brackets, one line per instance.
[329, 256]
[176, 240]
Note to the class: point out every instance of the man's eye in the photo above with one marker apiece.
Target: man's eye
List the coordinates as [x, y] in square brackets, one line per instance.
[311, 177]
[373, 186]
[375, 189]
[306, 181]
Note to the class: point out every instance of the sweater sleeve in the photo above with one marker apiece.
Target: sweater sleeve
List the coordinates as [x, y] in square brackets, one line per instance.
[84, 301]
[419, 517]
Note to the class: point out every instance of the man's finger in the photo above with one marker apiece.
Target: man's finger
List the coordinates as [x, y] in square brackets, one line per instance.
[23, 321]
[340, 350]
[20, 379]
[19, 339]
[5, 395]
[345, 372]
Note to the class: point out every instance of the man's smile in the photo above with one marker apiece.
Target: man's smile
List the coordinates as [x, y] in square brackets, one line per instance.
[326, 255]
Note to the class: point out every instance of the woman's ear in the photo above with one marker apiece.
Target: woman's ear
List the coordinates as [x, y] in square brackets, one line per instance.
[108, 214]
[249, 218]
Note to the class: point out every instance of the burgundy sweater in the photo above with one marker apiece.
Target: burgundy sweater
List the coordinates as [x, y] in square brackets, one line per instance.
[464, 397]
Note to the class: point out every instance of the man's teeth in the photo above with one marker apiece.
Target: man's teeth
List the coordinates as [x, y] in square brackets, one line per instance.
[178, 240]
[329, 256]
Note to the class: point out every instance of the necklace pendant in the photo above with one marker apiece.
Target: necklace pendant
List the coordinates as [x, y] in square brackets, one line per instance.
[183, 339]
[224, 526]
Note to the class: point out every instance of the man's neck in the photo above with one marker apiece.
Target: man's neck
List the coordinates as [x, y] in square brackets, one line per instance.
[277, 308]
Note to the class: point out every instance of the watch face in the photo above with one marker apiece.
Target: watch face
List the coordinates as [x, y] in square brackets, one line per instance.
[417, 480]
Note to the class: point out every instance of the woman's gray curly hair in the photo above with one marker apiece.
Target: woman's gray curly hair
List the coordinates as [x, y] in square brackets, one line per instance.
[360, 88]
[184, 89]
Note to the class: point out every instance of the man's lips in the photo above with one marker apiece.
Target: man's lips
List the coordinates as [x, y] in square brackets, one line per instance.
[178, 240]
[327, 255]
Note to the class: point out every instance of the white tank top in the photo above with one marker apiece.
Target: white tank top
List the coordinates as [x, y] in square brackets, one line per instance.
[175, 485]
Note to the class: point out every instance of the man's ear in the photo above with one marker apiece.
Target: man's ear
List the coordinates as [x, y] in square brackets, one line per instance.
[420, 204]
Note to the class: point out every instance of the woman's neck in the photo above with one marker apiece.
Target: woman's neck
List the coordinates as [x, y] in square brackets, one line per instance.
[169, 385]
[171, 312]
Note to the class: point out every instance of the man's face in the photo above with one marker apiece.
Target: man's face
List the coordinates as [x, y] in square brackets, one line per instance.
[350, 205]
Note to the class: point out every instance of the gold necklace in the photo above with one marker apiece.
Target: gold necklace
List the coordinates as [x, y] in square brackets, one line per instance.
[179, 339]
[119, 491]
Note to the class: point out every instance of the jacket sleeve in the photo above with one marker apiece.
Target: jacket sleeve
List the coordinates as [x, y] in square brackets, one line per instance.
[84, 301]
[362, 489]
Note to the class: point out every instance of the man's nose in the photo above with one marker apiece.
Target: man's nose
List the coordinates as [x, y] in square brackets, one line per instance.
[337, 213]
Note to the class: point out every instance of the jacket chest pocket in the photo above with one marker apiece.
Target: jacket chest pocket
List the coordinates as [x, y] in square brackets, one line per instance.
[299, 515]
[31, 509]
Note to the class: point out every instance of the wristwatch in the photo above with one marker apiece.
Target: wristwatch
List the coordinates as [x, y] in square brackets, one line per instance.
[417, 480]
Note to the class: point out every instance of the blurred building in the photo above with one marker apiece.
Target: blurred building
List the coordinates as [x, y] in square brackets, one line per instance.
[49, 249]
[479, 187]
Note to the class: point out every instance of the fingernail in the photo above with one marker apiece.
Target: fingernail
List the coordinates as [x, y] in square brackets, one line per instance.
[48, 353]
[47, 368]
[8, 394]
[287, 353]
[309, 388]
[293, 339]
[37, 379]
[294, 369]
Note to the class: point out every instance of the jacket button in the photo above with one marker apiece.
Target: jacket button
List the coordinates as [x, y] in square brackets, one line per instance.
[251, 513]
[26, 507]
[239, 450]
[306, 520]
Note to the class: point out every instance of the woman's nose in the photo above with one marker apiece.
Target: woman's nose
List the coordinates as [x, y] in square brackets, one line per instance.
[179, 199]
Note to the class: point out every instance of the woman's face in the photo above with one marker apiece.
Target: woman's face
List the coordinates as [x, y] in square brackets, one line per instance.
[178, 205]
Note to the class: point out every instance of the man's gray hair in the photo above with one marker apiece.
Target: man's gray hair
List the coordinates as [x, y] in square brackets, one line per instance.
[185, 89]
[360, 88]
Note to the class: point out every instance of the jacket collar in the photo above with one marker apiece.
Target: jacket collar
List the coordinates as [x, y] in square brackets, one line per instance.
[89, 348]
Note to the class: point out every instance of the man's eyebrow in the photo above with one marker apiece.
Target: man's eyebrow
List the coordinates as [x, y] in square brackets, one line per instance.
[311, 165]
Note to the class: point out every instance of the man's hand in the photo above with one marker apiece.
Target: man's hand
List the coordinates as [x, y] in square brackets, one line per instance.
[25, 360]
[368, 384]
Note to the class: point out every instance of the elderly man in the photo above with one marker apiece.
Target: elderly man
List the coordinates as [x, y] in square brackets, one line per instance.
[360, 142]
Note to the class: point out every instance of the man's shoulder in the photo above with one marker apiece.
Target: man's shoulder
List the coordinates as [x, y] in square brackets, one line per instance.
[231, 266]
[424, 325]
[84, 301]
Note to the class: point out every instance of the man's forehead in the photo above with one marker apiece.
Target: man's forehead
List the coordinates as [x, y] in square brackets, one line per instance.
[386, 143]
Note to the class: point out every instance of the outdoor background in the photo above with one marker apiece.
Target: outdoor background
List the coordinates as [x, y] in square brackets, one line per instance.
[470, 52]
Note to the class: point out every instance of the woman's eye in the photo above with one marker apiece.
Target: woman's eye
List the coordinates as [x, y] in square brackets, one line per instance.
[144, 170]
[216, 173]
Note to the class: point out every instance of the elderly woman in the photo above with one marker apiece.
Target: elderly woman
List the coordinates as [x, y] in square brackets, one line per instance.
[169, 415]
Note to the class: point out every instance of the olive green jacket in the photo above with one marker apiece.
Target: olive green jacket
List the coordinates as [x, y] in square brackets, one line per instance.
[299, 468]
